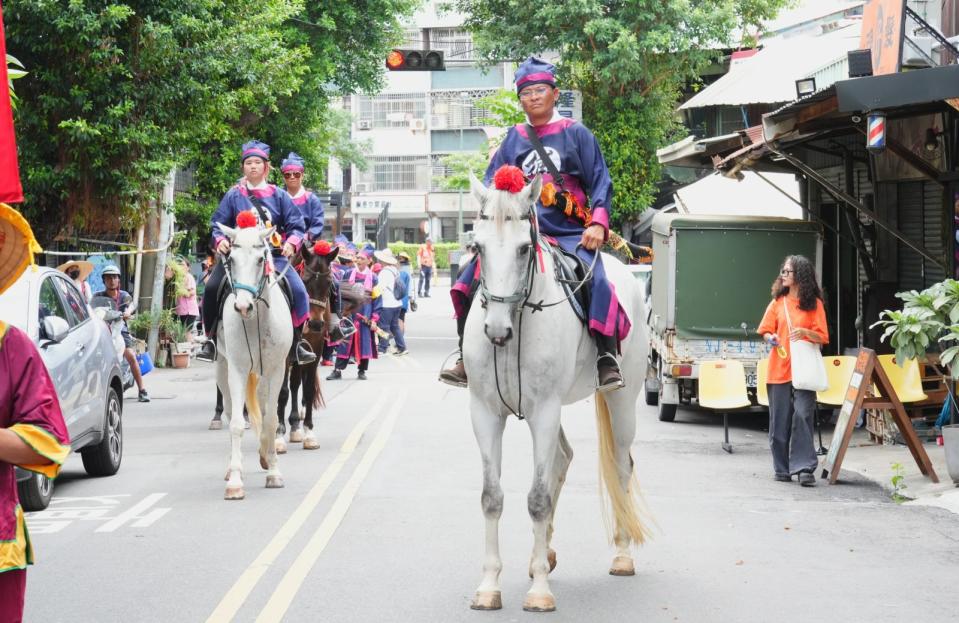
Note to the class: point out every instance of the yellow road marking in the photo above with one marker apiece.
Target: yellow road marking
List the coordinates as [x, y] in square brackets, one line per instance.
[290, 585]
[241, 589]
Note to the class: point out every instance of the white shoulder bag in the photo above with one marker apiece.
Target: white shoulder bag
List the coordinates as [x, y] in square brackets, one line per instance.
[808, 369]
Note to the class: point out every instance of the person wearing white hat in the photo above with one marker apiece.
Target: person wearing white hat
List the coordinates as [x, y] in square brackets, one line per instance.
[33, 435]
[389, 280]
[78, 271]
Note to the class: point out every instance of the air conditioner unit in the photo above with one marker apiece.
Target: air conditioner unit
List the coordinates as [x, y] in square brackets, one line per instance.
[364, 124]
[439, 122]
[417, 125]
[362, 187]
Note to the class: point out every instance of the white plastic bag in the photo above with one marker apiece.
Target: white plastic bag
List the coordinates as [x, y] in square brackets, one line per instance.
[808, 369]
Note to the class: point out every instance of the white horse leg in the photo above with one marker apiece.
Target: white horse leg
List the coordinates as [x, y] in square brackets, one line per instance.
[544, 425]
[627, 530]
[488, 429]
[234, 400]
[268, 395]
[564, 456]
[310, 441]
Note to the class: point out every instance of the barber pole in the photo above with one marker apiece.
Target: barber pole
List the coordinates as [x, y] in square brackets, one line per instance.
[876, 132]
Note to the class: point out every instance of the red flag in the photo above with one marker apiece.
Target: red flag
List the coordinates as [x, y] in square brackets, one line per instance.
[10, 189]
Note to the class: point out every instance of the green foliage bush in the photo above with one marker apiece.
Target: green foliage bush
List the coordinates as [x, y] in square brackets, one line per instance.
[440, 249]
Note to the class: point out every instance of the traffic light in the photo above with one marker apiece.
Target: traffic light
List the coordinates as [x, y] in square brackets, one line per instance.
[415, 60]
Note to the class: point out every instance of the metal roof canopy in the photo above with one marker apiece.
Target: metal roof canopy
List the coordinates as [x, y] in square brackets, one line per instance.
[909, 88]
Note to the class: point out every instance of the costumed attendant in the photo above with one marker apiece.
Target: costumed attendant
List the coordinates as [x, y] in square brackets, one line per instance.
[362, 345]
[267, 206]
[573, 209]
[33, 435]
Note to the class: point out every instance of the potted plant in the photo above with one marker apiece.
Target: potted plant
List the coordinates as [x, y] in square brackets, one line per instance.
[180, 347]
[929, 320]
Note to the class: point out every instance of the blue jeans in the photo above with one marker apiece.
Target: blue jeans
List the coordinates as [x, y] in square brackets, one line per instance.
[390, 322]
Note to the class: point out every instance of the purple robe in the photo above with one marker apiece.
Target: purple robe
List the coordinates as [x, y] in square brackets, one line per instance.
[312, 210]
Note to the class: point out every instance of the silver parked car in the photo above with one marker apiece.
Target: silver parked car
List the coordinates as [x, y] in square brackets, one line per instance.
[77, 349]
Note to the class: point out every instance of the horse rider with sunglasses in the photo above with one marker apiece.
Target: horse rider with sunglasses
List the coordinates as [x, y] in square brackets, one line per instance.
[272, 207]
[293, 169]
[573, 210]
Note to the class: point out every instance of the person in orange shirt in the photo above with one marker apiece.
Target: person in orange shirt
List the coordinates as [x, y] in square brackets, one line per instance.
[797, 293]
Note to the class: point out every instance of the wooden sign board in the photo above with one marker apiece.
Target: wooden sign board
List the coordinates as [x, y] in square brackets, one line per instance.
[883, 23]
[869, 373]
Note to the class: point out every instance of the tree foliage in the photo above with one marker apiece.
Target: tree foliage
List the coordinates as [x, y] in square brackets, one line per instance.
[629, 59]
[120, 92]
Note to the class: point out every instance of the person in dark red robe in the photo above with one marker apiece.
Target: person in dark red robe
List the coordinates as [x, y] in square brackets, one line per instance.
[33, 435]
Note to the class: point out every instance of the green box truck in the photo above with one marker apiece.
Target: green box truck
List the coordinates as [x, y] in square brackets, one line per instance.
[711, 283]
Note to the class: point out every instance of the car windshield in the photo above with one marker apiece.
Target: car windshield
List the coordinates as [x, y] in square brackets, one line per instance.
[14, 304]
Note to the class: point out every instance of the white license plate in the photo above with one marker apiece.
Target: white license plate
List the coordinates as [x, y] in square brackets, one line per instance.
[750, 379]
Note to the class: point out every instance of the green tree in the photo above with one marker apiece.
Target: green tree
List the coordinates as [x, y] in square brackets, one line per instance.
[629, 59]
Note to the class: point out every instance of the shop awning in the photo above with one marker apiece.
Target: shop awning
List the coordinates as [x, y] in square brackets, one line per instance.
[698, 153]
[910, 88]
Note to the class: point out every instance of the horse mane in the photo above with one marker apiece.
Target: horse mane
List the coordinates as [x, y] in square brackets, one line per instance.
[503, 206]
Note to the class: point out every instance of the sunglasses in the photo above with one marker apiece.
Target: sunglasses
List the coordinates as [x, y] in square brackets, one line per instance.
[785, 272]
[526, 94]
[291, 175]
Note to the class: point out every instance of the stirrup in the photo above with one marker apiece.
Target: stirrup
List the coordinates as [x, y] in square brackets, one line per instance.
[304, 354]
[616, 381]
[455, 376]
[204, 355]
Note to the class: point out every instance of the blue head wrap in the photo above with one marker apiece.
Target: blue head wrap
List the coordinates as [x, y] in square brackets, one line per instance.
[534, 71]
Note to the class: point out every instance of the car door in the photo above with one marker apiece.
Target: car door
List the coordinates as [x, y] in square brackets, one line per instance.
[60, 357]
[89, 368]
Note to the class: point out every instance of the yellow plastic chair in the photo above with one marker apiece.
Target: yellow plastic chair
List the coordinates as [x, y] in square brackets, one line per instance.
[762, 374]
[722, 386]
[839, 369]
[906, 381]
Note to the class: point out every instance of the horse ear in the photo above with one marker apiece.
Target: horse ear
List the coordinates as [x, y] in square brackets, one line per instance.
[229, 232]
[306, 249]
[479, 191]
[332, 256]
[534, 188]
[266, 234]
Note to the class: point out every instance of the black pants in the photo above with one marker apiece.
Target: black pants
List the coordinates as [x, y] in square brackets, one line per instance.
[342, 362]
[791, 413]
[209, 304]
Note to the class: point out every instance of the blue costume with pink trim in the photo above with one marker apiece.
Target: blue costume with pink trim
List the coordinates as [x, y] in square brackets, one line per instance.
[287, 219]
[309, 204]
[576, 154]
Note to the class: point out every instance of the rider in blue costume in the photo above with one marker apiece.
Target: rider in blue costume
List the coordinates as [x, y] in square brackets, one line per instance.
[293, 169]
[271, 205]
[578, 220]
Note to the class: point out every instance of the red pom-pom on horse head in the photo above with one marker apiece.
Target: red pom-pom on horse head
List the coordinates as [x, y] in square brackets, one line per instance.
[246, 219]
[322, 247]
[509, 178]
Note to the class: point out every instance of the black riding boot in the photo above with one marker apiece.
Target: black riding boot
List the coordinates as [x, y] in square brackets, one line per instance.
[207, 350]
[607, 367]
[303, 353]
[456, 376]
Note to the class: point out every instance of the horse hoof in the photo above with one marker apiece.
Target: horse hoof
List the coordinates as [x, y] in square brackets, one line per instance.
[622, 565]
[234, 493]
[280, 448]
[487, 600]
[551, 557]
[296, 436]
[310, 443]
[274, 482]
[539, 603]
[216, 424]
[263, 462]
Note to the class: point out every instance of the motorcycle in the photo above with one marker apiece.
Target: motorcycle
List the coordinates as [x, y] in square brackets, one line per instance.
[105, 309]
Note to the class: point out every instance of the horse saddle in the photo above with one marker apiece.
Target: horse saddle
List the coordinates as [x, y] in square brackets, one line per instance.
[570, 272]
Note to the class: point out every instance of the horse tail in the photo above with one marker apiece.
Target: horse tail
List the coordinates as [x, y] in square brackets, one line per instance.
[253, 404]
[624, 504]
[318, 400]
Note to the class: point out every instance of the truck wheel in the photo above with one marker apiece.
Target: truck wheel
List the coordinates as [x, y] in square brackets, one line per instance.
[667, 412]
[652, 398]
[35, 492]
[104, 458]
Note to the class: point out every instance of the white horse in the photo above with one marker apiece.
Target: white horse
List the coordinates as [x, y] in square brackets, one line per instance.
[532, 364]
[254, 340]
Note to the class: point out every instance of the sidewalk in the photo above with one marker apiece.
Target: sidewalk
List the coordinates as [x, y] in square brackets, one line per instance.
[874, 462]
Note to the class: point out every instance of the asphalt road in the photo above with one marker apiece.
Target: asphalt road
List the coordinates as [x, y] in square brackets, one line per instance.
[383, 522]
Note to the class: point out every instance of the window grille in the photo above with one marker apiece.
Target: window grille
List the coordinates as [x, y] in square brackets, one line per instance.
[456, 44]
[387, 173]
[391, 110]
[458, 109]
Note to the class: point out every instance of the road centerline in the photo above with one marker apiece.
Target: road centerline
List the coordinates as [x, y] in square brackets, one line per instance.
[243, 587]
[292, 581]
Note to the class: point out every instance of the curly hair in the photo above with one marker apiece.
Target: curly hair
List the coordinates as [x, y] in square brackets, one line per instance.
[804, 277]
